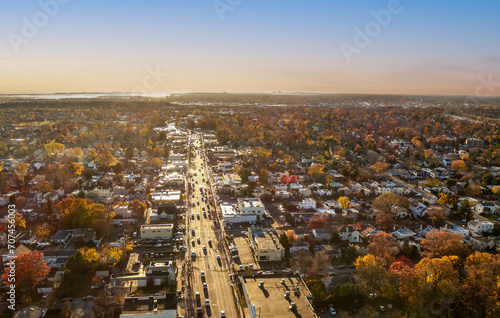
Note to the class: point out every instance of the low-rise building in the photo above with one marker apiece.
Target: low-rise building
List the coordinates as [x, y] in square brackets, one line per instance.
[163, 306]
[307, 204]
[480, 226]
[61, 237]
[349, 234]
[265, 244]
[156, 230]
[122, 210]
[297, 246]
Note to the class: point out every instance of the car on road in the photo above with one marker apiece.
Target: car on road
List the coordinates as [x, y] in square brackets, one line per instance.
[193, 254]
[218, 257]
[192, 232]
[204, 248]
[192, 216]
[205, 286]
[222, 314]
[240, 267]
[202, 274]
[332, 310]
[198, 240]
[250, 266]
[332, 274]
[207, 303]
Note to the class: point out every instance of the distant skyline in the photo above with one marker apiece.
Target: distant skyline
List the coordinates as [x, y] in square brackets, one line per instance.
[368, 47]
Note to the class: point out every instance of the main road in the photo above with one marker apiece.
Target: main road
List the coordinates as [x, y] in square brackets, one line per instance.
[205, 241]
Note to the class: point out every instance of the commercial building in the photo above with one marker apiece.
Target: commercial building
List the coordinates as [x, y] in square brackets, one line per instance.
[251, 205]
[156, 230]
[164, 306]
[265, 245]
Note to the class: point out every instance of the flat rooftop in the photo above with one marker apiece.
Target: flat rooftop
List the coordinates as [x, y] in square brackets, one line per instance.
[270, 298]
[148, 304]
[251, 202]
[227, 209]
[265, 239]
[156, 226]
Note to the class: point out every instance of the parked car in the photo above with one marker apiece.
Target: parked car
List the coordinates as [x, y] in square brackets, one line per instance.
[333, 312]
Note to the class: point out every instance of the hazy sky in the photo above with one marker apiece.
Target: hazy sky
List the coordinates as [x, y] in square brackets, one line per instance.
[370, 46]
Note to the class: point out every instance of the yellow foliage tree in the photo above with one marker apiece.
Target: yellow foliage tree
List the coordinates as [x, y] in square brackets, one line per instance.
[344, 202]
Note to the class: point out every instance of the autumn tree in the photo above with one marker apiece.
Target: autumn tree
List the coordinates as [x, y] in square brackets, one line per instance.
[385, 201]
[443, 243]
[284, 179]
[105, 160]
[385, 220]
[496, 190]
[479, 289]
[317, 221]
[43, 231]
[53, 149]
[77, 213]
[74, 154]
[344, 202]
[384, 248]
[20, 202]
[444, 199]
[156, 162]
[291, 236]
[111, 254]
[380, 167]
[30, 268]
[317, 171]
[75, 168]
[437, 285]
[44, 186]
[459, 165]
[293, 179]
[91, 155]
[473, 190]
[371, 276]
[437, 216]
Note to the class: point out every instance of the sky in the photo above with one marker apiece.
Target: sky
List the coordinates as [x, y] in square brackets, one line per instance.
[330, 46]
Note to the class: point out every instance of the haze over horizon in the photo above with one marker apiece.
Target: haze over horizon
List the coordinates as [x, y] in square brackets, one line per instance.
[367, 47]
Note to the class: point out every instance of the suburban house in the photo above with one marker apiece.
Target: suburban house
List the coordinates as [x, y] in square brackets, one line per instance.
[307, 204]
[297, 246]
[349, 234]
[61, 237]
[322, 233]
[403, 233]
[485, 207]
[480, 226]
